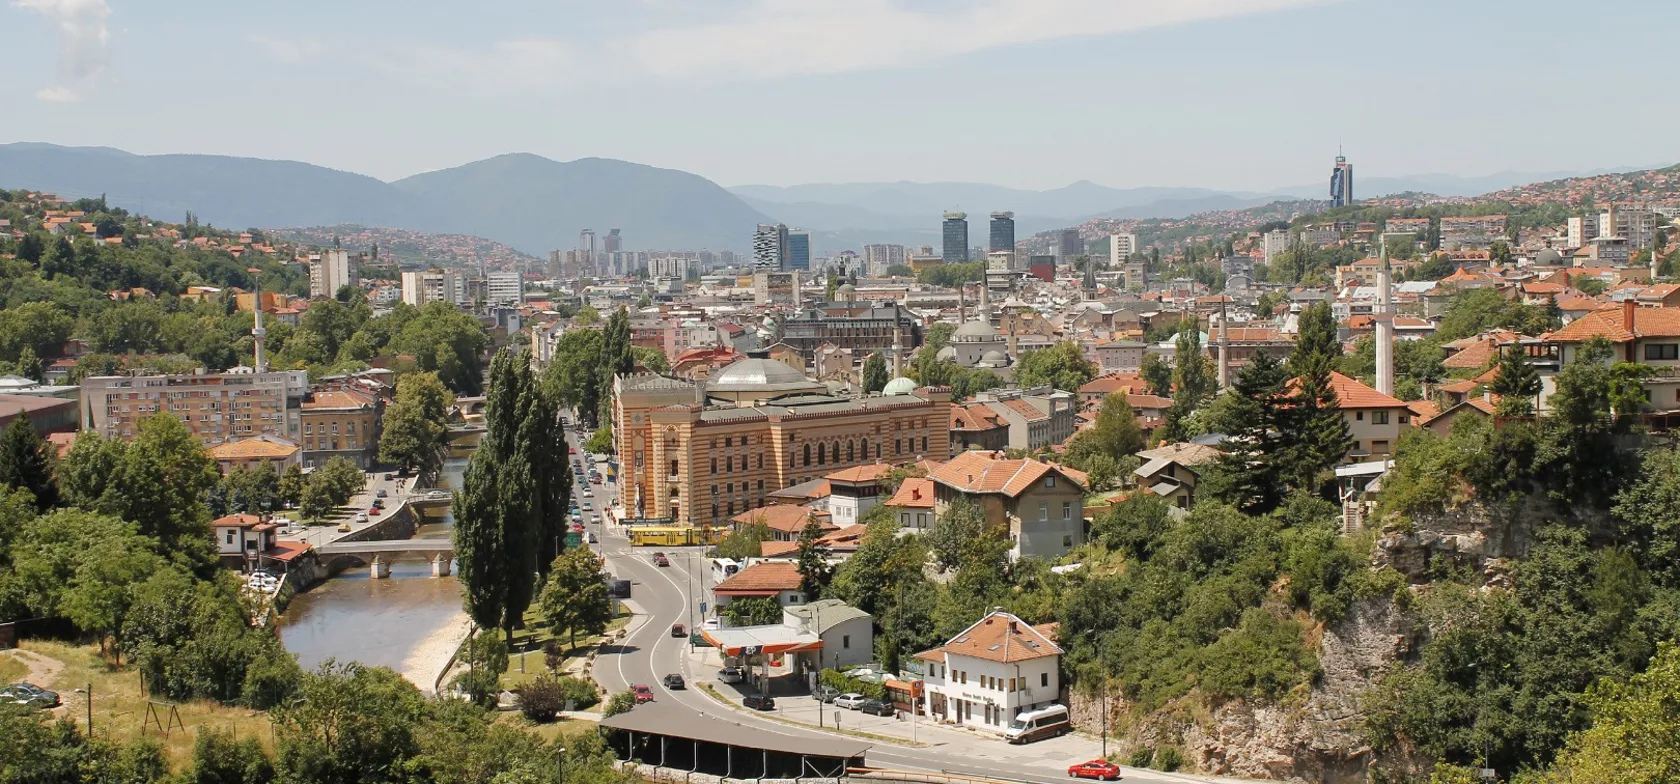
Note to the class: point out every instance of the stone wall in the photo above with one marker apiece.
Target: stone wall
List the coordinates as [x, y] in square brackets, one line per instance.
[400, 524]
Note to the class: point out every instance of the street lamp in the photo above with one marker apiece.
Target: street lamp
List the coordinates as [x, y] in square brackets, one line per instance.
[89, 692]
[562, 761]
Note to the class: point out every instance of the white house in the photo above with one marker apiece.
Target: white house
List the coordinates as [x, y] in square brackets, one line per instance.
[847, 633]
[242, 536]
[994, 669]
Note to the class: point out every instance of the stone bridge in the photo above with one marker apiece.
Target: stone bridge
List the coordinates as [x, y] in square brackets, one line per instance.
[378, 554]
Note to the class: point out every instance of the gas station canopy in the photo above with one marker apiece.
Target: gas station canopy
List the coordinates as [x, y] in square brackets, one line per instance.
[772, 639]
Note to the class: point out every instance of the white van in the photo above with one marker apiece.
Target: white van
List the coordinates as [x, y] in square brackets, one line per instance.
[1046, 722]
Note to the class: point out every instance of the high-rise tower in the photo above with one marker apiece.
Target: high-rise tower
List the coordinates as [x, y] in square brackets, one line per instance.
[1003, 231]
[1341, 182]
[770, 248]
[956, 238]
[586, 250]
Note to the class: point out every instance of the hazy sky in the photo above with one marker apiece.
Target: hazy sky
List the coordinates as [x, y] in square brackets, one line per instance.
[1031, 93]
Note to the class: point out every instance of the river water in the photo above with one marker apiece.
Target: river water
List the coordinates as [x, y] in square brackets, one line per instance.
[410, 622]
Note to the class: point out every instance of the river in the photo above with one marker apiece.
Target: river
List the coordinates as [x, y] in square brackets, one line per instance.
[410, 622]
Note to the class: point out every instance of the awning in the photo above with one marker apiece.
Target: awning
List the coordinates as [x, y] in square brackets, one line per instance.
[772, 639]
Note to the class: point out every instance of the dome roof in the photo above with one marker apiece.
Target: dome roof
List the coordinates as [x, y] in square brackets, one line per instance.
[948, 352]
[1548, 258]
[977, 330]
[899, 386]
[756, 374]
[993, 358]
[847, 287]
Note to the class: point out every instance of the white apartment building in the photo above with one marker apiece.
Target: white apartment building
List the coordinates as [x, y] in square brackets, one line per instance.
[503, 288]
[1582, 231]
[1274, 242]
[877, 258]
[329, 272]
[215, 407]
[1120, 246]
[419, 288]
[994, 669]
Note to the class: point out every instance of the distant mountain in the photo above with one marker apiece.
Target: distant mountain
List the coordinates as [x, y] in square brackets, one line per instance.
[526, 201]
[925, 201]
[1445, 184]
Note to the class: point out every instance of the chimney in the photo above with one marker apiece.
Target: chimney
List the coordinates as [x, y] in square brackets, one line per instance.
[1627, 313]
[1012, 627]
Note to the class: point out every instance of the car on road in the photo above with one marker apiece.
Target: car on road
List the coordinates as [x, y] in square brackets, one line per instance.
[825, 693]
[850, 700]
[1099, 769]
[361, 517]
[593, 539]
[763, 702]
[389, 477]
[28, 695]
[437, 495]
[711, 625]
[643, 693]
[877, 708]
[731, 675]
[678, 630]
[571, 450]
[587, 493]
[659, 559]
[674, 682]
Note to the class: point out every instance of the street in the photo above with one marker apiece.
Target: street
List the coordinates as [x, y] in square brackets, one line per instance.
[662, 596]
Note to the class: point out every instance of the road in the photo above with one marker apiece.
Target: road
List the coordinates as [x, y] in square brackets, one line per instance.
[662, 596]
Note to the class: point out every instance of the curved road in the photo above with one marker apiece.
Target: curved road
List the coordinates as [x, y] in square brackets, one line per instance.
[663, 596]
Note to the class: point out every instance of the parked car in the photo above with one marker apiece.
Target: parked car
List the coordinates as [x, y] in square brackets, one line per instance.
[361, 517]
[850, 700]
[674, 682]
[389, 477]
[763, 702]
[587, 493]
[382, 493]
[29, 695]
[593, 539]
[1099, 769]
[643, 693]
[731, 675]
[678, 630]
[825, 693]
[878, 707]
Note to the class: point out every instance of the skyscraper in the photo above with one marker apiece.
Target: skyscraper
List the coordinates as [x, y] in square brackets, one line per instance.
[1068, 245]
[555, 271]
[799, 250]
[1341, 183]
[956, 238]
[877, 258]
[613, 242]
[586, 249]
[1120, 245]
[770, 247]
[1003, 231]
[329, 273]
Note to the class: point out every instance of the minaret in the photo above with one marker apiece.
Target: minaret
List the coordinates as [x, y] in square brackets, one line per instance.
[1385, 326]
[258, 333]
[1224, 348]
[897, 346]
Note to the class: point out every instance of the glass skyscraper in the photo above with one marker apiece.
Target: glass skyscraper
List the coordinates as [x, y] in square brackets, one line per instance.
[956, 238]
[798, 249]
[1003, 231]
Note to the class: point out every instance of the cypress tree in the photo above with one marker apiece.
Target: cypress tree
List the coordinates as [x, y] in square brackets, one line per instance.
[495, 527]
[1317, 434]
[874, 373]
[1516, 383]
[1248, 474]
[23, 462]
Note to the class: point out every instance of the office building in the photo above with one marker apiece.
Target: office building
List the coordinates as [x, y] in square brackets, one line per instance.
[1120, 247]
[215, 407]
[700, 452]
[1068, 245]
[770, 248]
[503, 288]
[330, 272]
[1341, 183]
[955, 231]
[556, 270]
[1003, 231]
[613, 242]
[799, 250]
[670, 266]
[860, 328]
[419, 288]
[877, 258]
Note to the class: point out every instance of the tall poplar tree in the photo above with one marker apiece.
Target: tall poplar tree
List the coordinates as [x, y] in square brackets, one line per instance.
[23, 462]
[495, 519]
[875, 373]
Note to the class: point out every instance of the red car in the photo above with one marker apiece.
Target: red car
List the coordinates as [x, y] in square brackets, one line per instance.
[643, 694]
[1099, 769]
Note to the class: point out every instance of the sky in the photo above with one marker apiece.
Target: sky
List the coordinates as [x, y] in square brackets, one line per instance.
[1235, 94]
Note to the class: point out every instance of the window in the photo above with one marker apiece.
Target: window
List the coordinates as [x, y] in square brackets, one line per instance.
[1379, 417]
[807, 454]
[924, 443]
[866, 449]
[850, 454]
[761, 461]
[1050, 481]
[1044, 679]
[1067, 540]
[1662, 351]
[1379, 447]
[1044, 511]
[904, 519]
[845, 640]
[1067, 510]
[714, 465]
[822, 455]
[728, 442]
[229, 537]
[673, 468]
[1359, 416]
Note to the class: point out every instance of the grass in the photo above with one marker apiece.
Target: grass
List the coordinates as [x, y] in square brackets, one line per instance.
[119, 709]
[533, 637]
[564, 728]
[12, 670]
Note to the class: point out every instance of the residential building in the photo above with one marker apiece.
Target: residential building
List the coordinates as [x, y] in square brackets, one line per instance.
[1375, 420]
[1636, 225]
[419, 288]
[779, 580]
[977, 426]
[1170, 472]
[256, 452]
[877, 258]
[242, 539]
[770, 248]
[504, 288]
[855, 491]
[1039, 504]
[1002, 232]
[1471, 233]
[341, 422]
[1648, 336]
[1069, 245]
[698, 452]
[1120, 356]
[1121, 246]
[991, 671]
[1037, 418]
[1581, 231]
[912, 505]
[330, 272]
[955, 233]
[1274, 242]
[785, 521]
[215, 407]
[847, 633]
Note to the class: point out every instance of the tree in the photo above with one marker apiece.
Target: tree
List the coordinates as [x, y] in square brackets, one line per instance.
[341, 478]
[624, 701]
[1516, 383]
[289, 489]
[486, 657]
[316, 500]
[219, 757]
[751, 611]
[350, 723]
[162, 484]
[1315, 428]
[1193, 382]
[89, 472]
[97, 598]
[874, 373]
[1062, 366]
[954, 532]
[1635, 728]
[1157, 374]
[1247, 474]
[1115, 434]
[24, 463]
[575, 598]
[746, 541]
[414, 431]
[496, 527]
[812, 559]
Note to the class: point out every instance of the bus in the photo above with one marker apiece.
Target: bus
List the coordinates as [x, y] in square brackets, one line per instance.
[724, 568]
[1046, 722]
[674, 536]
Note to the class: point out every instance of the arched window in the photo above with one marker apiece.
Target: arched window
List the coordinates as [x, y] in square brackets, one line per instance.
[822, 455]
[866, 449]
[850, 453]
[673, 468]
[807, 454]
[837, 451]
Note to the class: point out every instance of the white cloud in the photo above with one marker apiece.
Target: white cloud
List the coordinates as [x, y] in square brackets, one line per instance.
[512, 65]
[783, 37]
[288, 50]
[83, 40]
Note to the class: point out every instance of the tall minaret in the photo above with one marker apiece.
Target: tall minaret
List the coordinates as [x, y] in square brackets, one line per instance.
[258, 333]
[898, 345]
[1224, 347]
[1384, 319]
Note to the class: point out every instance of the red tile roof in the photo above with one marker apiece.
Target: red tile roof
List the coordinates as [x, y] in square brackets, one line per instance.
[913, 493]
[786, 518]
[988, 472]
[1351, 393]
[761, 579]
[975, 417]
[860, 473]
[998, 637]
[1610, 322]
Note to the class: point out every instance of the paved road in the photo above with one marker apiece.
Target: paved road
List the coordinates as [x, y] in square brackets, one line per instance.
[661, 596]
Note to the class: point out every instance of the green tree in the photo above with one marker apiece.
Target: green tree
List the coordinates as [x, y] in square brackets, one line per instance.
[219, 757]
[161, 485]
[812, 557]
[1635, 729]
[289, 487]
[1062, 366]
[1115, 434]
[954, 532]
[1315, 428]
[1193, 383]
[24, 463]
[751, 611]
[1516, 384]
[496, 528]
[87, 474]
[341, 478]
[414, 430]
[349, 724]
[575, 599]
[874, 373]
[746, 541]
[1247, 474]
[1157, 374]
[97, 598]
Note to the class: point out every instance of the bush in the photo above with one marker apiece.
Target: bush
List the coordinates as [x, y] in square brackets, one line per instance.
[1169, 759]
[846, 683]
[621, 702]
[1142, 757]
[270, 679]
[541, 700]
[577, 691]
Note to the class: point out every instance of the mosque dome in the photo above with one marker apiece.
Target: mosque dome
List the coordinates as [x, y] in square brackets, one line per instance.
[758, 374]
[974, 331]
[948, 352]
[1548, 258]
[899, 386]
[994, 358]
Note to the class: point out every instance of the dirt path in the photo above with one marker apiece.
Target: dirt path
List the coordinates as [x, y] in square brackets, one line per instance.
[43, 670]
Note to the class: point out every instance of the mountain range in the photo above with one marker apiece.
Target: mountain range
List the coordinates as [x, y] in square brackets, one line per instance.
[536, 204]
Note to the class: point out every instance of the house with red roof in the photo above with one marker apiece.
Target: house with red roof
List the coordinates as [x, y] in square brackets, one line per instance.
[996, 668]
[1375, 420]
[1039, 504]
[912, 504]
[1646, 335]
